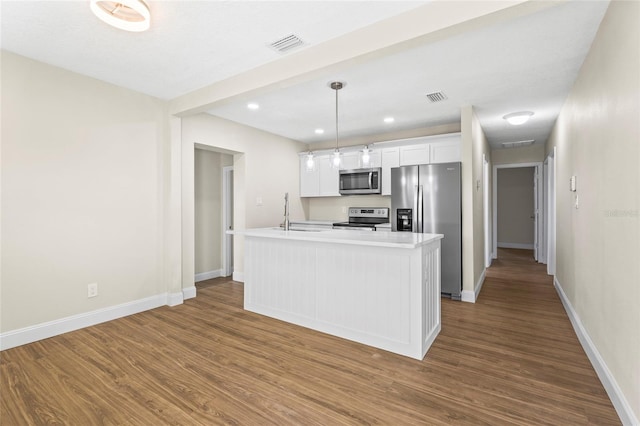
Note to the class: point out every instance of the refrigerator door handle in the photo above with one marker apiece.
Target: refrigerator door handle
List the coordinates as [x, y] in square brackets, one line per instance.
[420, 204]
[416, 203]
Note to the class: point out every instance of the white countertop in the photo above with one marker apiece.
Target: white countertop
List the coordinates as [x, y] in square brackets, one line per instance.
[364, 238]
[315, 222]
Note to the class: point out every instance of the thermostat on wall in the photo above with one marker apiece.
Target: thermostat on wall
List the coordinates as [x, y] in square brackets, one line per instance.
[572, 184]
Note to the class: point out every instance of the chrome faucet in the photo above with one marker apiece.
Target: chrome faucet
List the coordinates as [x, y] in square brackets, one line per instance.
[286, 211]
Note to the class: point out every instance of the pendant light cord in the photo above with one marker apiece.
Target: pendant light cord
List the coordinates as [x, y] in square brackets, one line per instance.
[336, 89]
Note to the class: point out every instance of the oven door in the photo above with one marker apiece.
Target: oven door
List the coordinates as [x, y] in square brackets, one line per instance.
[360, 181]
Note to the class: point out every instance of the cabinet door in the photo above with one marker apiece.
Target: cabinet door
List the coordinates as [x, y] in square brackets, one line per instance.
[350, 160]
[375, 158]
[414, 154]
[445, 152]
[390, 158]
[329, 177]
[309, 180]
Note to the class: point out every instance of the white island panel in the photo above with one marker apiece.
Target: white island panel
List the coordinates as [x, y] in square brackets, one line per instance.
[383, 294]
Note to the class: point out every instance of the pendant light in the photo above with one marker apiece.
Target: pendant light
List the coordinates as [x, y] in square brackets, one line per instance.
[365, 158]
[128, 15]
[335, 159]
[310, 163]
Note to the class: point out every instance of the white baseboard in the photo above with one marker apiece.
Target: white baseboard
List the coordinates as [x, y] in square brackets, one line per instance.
[189, 292]
[516, 246]
[471, 296]
[238, 276]
[604, 374]
[208, 275]
[174, 299]
[33, 333]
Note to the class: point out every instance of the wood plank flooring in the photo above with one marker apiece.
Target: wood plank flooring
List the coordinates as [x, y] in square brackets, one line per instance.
[511, 358]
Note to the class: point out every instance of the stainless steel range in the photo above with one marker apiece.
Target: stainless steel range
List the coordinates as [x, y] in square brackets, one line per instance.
[364, 218]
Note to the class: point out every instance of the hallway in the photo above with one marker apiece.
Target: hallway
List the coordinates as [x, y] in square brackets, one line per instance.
[511, 358]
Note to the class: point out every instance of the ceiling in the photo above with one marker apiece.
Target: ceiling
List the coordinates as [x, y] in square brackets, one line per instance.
[527, 63]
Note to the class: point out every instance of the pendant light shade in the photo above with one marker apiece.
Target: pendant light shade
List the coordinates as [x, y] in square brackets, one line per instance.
[310, 163]
[335, 160]
[365, 158]
[128, 15]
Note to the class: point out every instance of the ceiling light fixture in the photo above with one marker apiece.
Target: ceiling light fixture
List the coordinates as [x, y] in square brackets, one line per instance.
[253, 106]
[389, 119]
[319, 131]
[128, 15]
[335, 160]
[518, 118]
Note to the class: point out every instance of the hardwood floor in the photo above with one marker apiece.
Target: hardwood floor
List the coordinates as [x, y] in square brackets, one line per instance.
[511, 358]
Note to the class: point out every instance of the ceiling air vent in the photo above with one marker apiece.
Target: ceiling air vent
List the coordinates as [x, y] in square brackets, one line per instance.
[517, 143]
[436, 96]
[286, 44]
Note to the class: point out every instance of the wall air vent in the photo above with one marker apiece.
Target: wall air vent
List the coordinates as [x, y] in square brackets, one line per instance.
[286, 44]
[517, 143]
[436, 97]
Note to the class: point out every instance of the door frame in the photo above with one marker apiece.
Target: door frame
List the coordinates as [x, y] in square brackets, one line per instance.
[488, 246]
[550, 223]
[538, 193]
[227, 220]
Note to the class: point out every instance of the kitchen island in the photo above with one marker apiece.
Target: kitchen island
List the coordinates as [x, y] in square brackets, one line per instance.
[377, 288]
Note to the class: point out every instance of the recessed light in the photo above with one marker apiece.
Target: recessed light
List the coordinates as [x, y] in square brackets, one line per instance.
[518, 118]
[389, 119]
[253, 105]
[319, 131]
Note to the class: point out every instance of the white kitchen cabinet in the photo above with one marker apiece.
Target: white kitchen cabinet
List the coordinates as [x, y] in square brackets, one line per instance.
[414, 154]
[445, 152]
[329, 177]
[353, 160]
[309, 179]
[322, 181]
[350, 160]
[390, 157]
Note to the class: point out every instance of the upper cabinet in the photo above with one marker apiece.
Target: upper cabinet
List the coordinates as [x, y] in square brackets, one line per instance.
[321, 181]
[412, 155]
[448, 151]
[353, 160]
[390, 159]
[324, 180]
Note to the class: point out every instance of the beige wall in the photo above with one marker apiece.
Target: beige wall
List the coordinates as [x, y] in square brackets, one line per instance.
[208, 209]
[525, 154]
[515, 206]
[598, 245]
[265, 166]
[474, 147]
[82, 193]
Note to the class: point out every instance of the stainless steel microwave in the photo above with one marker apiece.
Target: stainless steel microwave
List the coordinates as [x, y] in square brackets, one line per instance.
[360, 181]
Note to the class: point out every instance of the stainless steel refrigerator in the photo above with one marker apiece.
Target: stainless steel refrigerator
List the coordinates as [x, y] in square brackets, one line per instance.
[427, 198]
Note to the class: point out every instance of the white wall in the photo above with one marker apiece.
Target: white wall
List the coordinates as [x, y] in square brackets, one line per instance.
[598, 245]
[515, 207]
[335, 208]
[265, 167]
[474, 146]
[208, 209]
[82, 193]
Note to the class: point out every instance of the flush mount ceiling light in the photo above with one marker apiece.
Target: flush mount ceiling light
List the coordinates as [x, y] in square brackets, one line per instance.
[319, 131]
[253, 105]
[128, 15]
[518, 118]
[335, 160]
[389, 119]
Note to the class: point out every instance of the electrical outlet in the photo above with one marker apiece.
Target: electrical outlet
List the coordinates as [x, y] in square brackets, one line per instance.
[92, 290]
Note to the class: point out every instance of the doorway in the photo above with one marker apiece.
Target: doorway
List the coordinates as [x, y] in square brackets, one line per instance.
[517, 201]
